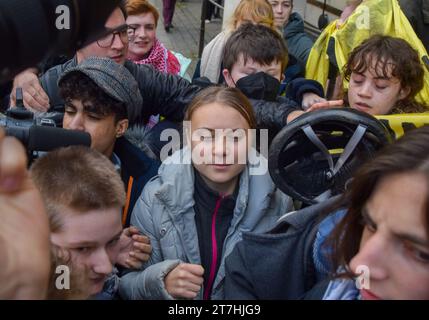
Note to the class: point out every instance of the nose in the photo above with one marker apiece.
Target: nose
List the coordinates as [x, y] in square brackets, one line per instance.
[101, 263]
[220, 146]
[76, 123]
[141, 32]
[365, 89]
[278, 8]
[374, 254]
[118, 43]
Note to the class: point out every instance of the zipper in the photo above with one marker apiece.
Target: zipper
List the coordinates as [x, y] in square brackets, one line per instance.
[215, 257]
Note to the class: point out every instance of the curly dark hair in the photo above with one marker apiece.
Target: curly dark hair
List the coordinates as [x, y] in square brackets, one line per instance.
[77, 85]
[392, 57]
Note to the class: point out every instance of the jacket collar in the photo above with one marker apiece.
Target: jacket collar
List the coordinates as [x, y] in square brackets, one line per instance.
[132, 158]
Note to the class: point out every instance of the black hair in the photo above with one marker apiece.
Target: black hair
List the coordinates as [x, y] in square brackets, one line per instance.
[77, 85]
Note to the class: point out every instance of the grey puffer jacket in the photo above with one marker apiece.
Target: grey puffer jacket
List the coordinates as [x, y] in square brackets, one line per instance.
[165, 213]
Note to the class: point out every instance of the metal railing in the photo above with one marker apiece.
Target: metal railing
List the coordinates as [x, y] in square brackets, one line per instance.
[203, 23]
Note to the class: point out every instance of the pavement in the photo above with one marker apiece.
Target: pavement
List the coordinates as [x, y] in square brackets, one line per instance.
[185, 36]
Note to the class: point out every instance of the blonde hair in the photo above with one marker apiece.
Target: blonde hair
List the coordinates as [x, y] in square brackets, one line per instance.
[79, 178]
[255, 11]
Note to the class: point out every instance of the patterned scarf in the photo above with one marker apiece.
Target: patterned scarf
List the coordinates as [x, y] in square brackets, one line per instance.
[161, 59]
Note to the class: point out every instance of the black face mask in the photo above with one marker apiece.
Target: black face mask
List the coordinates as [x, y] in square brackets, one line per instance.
[259, 86]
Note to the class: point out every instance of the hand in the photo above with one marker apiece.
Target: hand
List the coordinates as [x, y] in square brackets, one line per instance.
[326, 105]
[317, 106]
[135, 249]
[309, 98]
[184, 281]
[35, 98]
[24, 228]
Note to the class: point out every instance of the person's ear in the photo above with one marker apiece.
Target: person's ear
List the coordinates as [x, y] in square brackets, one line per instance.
[404, 92]
[228, 79]
[121, 127]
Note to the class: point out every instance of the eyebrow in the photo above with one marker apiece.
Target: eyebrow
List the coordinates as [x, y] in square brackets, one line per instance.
[91, 108]
[403, 236]
[367, 217]
[118, 28]
[376, 78]
[93, 243]
[213, 130]
[382, 78]
[69, 103]
[83, 244]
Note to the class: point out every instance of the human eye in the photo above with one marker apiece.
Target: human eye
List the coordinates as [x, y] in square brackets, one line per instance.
[381, 85]
[236, 136]
[206, 137]
[83, 250]
[94, 116]
[367, 223]
[422, 256]
[417, 254]
[357, 78]
[69, 109]
[123, 33]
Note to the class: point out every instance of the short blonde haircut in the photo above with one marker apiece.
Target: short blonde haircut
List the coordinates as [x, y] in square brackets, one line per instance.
[255, 11]
[78, 178]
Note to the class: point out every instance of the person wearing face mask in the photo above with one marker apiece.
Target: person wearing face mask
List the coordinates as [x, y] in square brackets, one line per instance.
[254, 59]
[247, 11]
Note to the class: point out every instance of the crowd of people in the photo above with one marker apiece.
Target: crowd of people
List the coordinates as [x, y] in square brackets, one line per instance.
[140, 216]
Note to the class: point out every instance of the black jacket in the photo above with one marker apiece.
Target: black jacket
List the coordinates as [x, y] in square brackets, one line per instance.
[278, 264]
[168, 95]
[136, 170]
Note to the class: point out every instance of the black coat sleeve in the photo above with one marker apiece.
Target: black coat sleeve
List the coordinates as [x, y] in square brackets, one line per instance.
[164, 94]
[298, 87]
[170, 95]
[238, 282]
[272, 114]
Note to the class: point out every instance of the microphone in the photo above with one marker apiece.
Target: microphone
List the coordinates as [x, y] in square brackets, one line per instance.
[44, 138]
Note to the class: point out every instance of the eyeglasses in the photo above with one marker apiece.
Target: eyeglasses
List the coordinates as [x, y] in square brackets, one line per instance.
[107, 41]
[131, 32]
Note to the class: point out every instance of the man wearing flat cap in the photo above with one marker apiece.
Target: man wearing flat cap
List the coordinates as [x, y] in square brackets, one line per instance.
[101, 98]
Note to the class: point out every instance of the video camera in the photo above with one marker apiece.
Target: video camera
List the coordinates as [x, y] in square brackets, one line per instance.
[36, 29]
